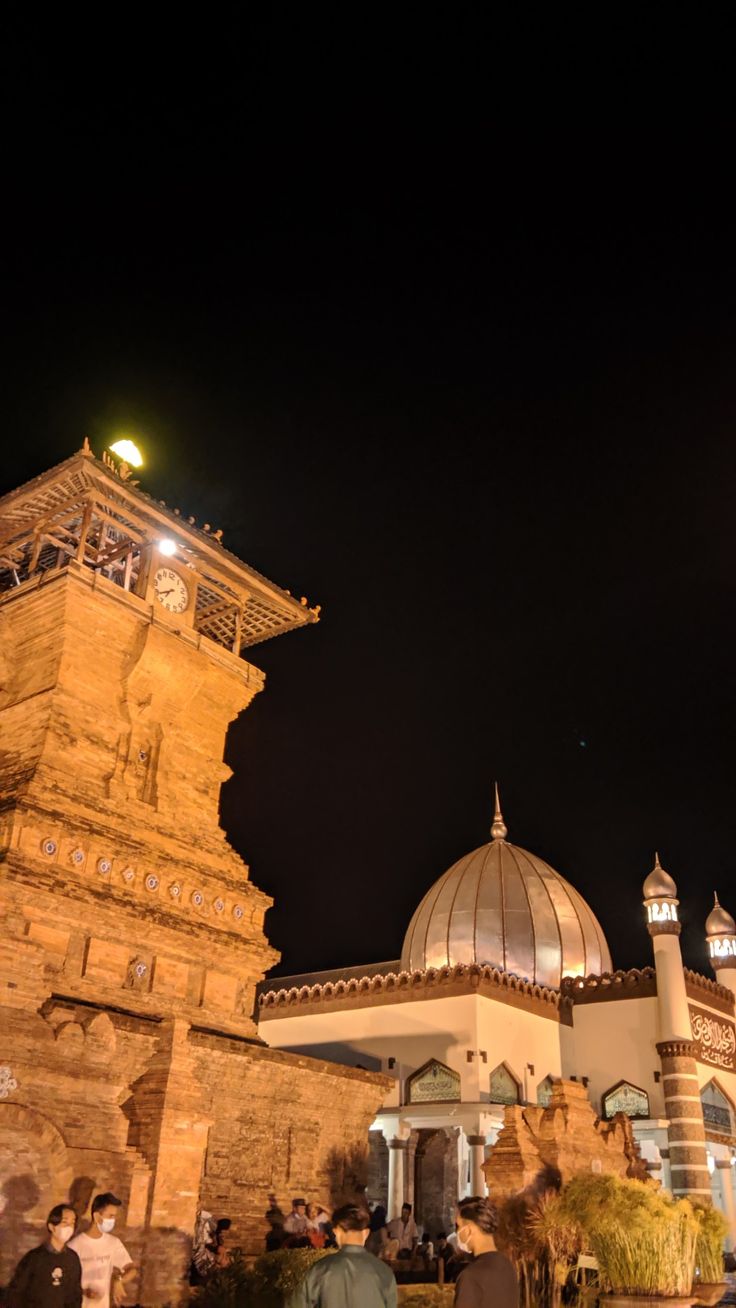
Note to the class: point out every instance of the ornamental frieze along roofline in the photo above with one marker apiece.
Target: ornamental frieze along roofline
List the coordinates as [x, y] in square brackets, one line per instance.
[398, 987]
[709, 992]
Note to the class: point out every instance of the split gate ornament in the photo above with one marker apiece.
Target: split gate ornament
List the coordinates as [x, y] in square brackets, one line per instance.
[8, 1082]
[715, 1038]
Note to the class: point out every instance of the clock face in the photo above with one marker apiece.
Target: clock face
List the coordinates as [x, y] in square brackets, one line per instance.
[171, 590]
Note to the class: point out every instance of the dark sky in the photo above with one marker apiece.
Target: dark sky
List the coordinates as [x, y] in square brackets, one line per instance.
[481, 406]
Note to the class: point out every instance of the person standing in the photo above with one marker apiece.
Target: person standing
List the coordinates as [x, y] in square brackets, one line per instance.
[490, 1280]
[106, 1263]
[51, 1275]
[351, 1278]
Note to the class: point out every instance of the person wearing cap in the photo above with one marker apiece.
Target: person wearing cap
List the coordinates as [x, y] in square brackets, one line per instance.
[296, 1224]
[49, 1276]
[106, 1263]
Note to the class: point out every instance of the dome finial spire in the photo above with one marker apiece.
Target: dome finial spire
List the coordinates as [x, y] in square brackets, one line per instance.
[659, 883]
[499, 830]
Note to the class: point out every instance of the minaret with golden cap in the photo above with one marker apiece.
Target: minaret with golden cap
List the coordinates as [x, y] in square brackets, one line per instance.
[720, 933]
[676, 1048]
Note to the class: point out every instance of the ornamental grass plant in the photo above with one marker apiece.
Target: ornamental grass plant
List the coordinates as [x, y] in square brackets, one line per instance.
[644, 1240]
[712, 1230]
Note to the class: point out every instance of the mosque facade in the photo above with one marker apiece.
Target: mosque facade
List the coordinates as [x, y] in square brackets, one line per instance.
[504, 987]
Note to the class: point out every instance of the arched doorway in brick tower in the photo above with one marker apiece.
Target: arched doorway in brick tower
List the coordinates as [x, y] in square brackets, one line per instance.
[436, 1178]
[35, 1173]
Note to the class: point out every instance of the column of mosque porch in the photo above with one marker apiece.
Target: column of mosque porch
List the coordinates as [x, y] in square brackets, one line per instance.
[724, 1176]
[397, 1139]
[477, 1150]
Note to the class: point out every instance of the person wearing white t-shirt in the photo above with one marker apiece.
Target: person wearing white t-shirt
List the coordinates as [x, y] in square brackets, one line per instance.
[106, 1263]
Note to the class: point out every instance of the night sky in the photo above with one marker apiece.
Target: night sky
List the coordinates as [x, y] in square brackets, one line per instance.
[488, 424]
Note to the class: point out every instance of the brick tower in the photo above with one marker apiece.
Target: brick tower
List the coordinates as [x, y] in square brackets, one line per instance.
[132, 937]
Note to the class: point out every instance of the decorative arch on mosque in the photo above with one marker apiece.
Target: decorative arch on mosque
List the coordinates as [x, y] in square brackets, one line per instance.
[718, 1109]
[505, 1085]
[434, 1082]
[624, 1097]
[544, 1091]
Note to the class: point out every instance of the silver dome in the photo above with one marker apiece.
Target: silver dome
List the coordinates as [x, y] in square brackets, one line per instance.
[503, 906]
[659, 884]
[719, 921]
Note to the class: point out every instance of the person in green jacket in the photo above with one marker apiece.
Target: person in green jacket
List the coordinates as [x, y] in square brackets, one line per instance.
[351, 1278]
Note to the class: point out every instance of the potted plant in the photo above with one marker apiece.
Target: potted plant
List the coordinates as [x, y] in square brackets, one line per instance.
[644, 1240]
[709, 1283]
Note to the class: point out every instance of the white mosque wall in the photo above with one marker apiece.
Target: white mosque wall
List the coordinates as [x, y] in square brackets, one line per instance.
[410, 1033]
[526, 1042]
[469, 1033]
[616, 1041]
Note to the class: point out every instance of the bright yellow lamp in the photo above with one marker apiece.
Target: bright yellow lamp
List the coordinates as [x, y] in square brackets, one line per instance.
[128, 452]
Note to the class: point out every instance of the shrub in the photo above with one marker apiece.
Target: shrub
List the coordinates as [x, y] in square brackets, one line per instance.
[268, 1284]
[712, 1228]
[426, 1296]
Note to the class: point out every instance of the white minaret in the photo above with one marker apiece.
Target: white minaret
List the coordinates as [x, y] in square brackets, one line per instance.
[720, 932]
[676, 1048]
[663, 925]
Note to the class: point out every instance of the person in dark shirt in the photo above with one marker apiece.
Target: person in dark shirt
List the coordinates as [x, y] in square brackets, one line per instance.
[51, 1275]
[490, 1280]
[351, 1278]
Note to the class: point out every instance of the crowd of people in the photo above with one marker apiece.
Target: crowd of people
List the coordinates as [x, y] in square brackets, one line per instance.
[397, 1241]
[94, 1266]
[357, 1277]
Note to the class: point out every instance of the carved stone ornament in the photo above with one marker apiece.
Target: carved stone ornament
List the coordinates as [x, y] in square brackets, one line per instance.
[197, 898]
[151, 881]
[137, 976]
[104, 865]
[49, 847]
[8, 1082]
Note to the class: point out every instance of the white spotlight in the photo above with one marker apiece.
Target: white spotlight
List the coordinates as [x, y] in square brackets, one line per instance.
[167, 546]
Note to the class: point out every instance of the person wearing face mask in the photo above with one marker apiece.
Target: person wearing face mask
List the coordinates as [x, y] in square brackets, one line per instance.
[51, 1274]
[106, 1263]
[490, 1280]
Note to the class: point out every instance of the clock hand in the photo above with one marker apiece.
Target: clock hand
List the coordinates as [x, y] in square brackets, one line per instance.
[170, 591]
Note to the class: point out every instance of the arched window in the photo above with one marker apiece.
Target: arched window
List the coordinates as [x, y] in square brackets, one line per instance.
[717, 1109]
[544, 1091]
[505, 1088]
[623, 1097]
